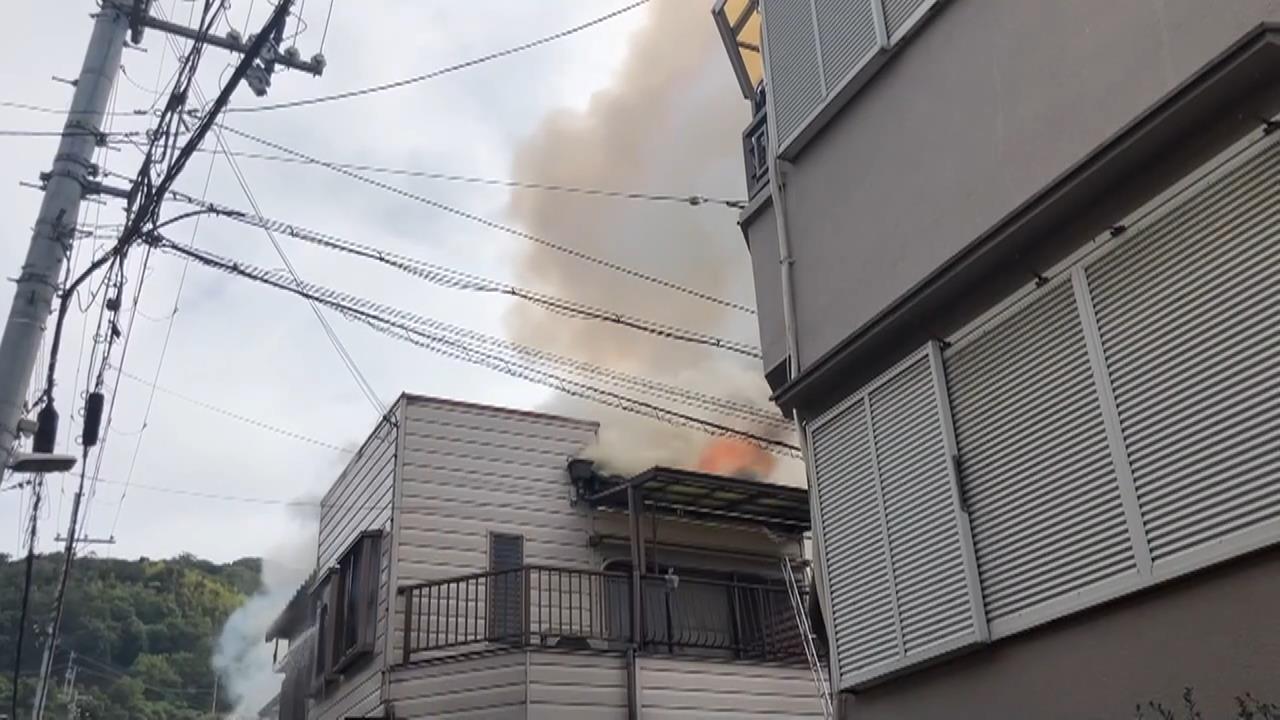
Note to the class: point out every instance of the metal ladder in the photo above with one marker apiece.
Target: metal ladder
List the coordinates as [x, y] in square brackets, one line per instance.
[807, 639]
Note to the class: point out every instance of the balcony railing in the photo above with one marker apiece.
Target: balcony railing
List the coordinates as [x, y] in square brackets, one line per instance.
[583, 609]
[755, 145]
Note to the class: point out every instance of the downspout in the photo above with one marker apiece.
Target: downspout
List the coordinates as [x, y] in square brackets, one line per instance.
[777, 195]
[786, 262]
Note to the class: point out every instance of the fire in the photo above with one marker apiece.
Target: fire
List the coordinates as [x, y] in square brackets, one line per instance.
[734, 457]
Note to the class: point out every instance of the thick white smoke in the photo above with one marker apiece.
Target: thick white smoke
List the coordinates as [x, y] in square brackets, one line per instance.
[671, 122]
[242, 659]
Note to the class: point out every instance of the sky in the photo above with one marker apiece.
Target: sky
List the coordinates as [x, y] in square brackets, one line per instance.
[261, 355]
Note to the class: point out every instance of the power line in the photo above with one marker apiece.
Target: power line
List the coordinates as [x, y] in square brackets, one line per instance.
[164, 350]
[344, 355]
[494, 225]
[458, 280]
[694, 199]
[233, 415]
[518, 361]
[444, 70]
[71, 133]
[64, 112]
[494, 345]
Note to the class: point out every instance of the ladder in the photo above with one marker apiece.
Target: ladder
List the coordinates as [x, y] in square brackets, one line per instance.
[807, 639]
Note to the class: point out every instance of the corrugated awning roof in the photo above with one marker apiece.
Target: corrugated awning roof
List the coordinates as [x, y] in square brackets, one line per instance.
[693, 494]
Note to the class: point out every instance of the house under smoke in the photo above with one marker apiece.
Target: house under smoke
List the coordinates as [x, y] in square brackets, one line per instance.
[469, 566]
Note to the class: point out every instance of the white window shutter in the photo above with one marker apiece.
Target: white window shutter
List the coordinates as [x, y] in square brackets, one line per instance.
[897, 552]
[1186, 311]
[1039, 477]
[795, 77]
[848, 37]
[900, 16]
[856, 559]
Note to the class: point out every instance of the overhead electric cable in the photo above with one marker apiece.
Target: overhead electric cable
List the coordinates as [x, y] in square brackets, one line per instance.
[444, 70]
[494, 225]
[230, 414]
[694, 199]
[526, 363]
[458, 280]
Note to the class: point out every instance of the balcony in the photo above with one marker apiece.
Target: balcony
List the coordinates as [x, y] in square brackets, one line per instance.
[755, 146]
[547, 607]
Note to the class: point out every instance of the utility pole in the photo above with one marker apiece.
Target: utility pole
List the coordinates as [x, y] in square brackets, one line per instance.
[68, 182]
[55, 228]
[214, 710]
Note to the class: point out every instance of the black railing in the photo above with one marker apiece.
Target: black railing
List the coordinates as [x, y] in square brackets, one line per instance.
[584, 609]
[755, 153]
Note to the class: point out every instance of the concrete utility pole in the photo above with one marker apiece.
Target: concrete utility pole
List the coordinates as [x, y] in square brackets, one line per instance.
[55, 226]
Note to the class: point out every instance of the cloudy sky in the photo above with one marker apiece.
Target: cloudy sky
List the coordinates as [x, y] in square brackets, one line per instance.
[551, 114]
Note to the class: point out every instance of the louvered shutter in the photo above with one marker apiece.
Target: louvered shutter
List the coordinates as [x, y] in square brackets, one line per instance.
[855, 558]
[847, 32]
[920, 510]
[506, 588]
[902, 15]
[1186, 311]
[895, 545]
[1037, 470]
[795, 79]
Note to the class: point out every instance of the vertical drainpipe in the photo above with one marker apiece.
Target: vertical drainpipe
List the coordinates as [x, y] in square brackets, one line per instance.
[786, 263]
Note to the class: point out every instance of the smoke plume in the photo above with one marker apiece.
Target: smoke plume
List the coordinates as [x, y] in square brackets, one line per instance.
[242, 658]
[671, 122]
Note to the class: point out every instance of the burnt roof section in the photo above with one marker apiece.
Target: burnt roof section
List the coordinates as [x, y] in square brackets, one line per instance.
[686, 493]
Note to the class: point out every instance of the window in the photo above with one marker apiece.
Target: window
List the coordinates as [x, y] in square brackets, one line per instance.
[347, 607]
[506, 586]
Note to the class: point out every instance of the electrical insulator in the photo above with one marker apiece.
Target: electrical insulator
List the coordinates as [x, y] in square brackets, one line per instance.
[93, 405]
[46, 429]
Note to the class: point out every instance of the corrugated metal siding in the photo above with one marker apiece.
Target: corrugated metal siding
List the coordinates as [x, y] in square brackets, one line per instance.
[676, 689]
[471, 471]
[577, 686]
[475, 688]
[847, 29]
[468, 471]
[1041, 487]
[796, 79]
[359, 500]
[900, 15]
[857, 565]
[919, 506]
[1186, 310]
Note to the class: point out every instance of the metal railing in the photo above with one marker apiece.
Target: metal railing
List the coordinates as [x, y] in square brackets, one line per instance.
[585, 609]
[755, 153]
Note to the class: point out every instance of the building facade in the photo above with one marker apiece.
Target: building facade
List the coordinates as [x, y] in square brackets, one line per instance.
[469, 566]
[1015, 265]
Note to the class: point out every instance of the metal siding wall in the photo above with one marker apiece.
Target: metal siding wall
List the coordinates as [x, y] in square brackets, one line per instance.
[847, 29]
[360, 500]
[1038, 475]
[793, 63]
[691, 689]
[862, 603]
[472, 688]
[1186, 310]
[924, 543]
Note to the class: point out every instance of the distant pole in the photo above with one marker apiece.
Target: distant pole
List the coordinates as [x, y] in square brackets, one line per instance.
[214, 710]
[55, 225]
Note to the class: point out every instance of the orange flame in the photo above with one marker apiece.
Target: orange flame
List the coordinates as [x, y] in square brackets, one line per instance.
[736, 458]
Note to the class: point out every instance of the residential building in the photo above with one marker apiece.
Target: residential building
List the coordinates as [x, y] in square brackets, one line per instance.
[1016, 271]
[471, 565]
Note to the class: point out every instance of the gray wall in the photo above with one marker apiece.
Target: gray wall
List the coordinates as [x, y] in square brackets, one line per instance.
[761, 232]
[360, 500]
[1217, 632]
[986, 105]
